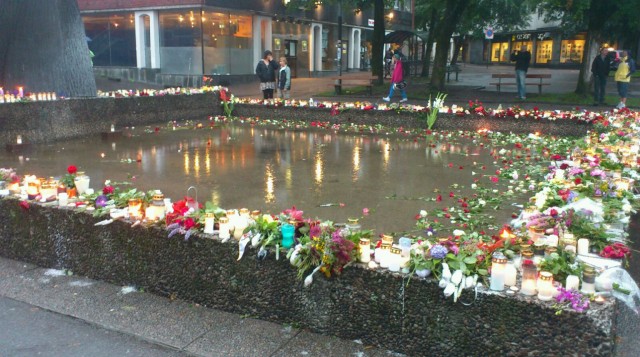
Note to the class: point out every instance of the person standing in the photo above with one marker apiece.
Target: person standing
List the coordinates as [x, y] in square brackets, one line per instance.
[623, 76]
[522, 59]
[266, 71]
[284, 79]
[388, 57]
[600, 70]
[397, 81]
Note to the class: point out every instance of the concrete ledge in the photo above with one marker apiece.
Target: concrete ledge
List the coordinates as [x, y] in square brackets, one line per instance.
[377, 307]
[40, 122]
[411, 120]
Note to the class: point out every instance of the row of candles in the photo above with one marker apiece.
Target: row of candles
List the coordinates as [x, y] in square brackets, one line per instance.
[39, 96]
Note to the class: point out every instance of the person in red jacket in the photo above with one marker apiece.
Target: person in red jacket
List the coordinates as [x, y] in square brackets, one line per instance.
[397, 81]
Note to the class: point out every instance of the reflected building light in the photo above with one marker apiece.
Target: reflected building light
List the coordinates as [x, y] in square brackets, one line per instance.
[207, 162]
[186, 163]
[356, 163]
[269, 196]
[385, 154]
[319, 166]
[288, 178]
[215, 196]
[113, 146]
[196, 163]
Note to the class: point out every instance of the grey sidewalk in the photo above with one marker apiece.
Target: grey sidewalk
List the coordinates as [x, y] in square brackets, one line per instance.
[49, 314]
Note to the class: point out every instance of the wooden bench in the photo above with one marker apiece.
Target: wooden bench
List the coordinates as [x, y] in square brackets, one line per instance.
[453, 69]
[341, 82]
[539, 83]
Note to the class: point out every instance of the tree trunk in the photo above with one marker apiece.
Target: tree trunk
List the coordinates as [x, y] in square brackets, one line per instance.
[457, 43]
[453, 12]
[585, 78]
[426, 63]
[377, 45]
[43, 48]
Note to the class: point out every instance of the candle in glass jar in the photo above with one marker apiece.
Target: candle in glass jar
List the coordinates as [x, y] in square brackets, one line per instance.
[583, 246]
[545, 286]
[529, 276]
[510, 274]
[573, 282]
[394, 259]
[225, 230]
[113, 128]
[365, 250]
[239, 227]
[19, 140]
[385, 252]
[63, 199]
[588, 281]
[20, 92]
[498, 263]
[208, 223]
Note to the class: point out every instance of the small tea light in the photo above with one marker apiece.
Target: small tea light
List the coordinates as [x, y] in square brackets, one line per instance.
[583, 246]
[599, 299]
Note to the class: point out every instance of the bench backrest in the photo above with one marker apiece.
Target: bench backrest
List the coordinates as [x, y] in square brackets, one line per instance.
[503, 75]
[539, 75]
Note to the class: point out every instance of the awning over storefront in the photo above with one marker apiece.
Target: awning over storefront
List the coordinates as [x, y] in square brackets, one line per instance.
[398, 36]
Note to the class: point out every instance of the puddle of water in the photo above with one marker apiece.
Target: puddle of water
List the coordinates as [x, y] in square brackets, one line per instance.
[272, 170]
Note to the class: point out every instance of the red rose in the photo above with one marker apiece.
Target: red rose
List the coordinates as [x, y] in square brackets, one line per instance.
[553, 212]
[107, 190]
[189, 223]
[577, 181]
[72, 169]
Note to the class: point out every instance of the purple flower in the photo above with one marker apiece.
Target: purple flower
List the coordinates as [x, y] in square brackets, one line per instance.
[438, 251]
[101, 201]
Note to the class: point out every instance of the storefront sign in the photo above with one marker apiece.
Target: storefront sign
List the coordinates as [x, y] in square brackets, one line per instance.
[521, 37]
[543, 36]
[372, 22]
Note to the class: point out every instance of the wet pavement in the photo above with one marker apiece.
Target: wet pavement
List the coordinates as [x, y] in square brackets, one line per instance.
[327, 175]
[45, 312]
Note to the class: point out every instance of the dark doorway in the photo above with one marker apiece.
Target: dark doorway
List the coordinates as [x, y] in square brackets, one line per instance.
[291, 53]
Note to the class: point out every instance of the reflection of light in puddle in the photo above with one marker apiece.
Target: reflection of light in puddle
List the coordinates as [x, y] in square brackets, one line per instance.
[196, 164]
[356, 162]
[186, 163]
[215, 196]
[288, 178]
[269, 197]
[318, 168]
[385, 154]
[207, 162]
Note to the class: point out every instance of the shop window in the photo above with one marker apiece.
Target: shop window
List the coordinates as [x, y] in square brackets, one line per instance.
[499, 52]
[543, 52]
[571, 51]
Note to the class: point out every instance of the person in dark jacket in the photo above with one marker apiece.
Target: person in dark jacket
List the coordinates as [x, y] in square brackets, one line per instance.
[600, 69]
[266, 71]
[522, 59]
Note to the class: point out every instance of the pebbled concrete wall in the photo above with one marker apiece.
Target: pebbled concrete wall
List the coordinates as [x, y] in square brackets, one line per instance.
[380, 308]
[40, 122]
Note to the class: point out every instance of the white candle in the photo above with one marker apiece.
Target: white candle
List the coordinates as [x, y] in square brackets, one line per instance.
[20, 92]
[498, 264]
[1, 91]
[573, 282]
[365, 250]
[528, 287]
[240, 225]
[545, 286]
[224, 230]
[19, 140]
[63, 199]
[377, 255]
[385, 255]
[208, 223]
[510, 274]
[583, 246]
[113, 128]
[394, 259]
[552, 240]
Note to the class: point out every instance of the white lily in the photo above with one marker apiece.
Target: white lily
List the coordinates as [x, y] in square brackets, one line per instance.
[456, 278]
[449, 290]
[242, 245]
[309, 279]
[443, 283]
[256, 239]
[446, 272]
[469, 282]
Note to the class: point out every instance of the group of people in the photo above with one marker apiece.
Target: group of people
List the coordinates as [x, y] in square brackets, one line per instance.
[600, 68]
[268, 71]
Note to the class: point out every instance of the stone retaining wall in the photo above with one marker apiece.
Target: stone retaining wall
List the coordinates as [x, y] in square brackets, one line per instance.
[410, 120]
[40, 122]
[376, 307]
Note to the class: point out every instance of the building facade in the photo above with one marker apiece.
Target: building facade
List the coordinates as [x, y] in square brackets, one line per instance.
[548, 45]
[224, 37]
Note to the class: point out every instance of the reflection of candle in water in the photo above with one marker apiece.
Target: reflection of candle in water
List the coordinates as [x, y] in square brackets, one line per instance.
[19, 140]
[113, 128]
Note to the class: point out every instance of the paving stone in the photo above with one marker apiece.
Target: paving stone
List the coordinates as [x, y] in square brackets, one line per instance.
[245, 338]
[314, 345]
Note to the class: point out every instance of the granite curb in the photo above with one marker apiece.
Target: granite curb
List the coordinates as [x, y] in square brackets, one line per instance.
[187, 328]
